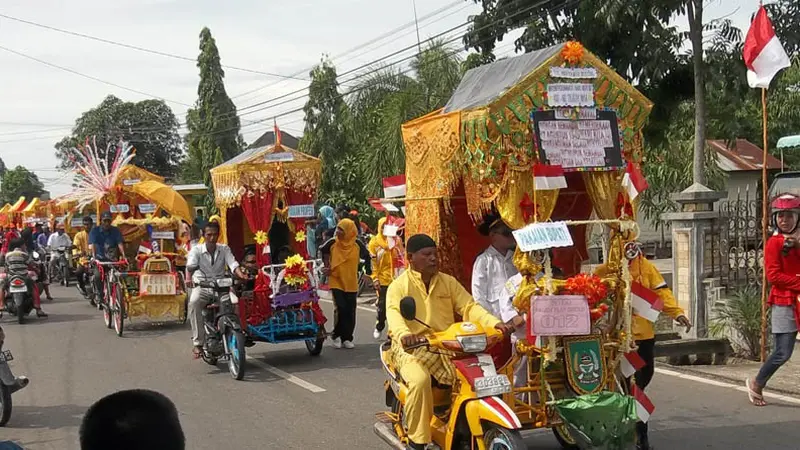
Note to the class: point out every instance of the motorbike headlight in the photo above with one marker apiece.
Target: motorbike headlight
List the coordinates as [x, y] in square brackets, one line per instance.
[472, 344]
[35, 254]
[225, 282]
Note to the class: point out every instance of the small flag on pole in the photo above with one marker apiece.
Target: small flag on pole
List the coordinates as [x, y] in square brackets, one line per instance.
[633, 181]
[764, 54]
[547, 177]
[644, 407]
[394, 187]
[630, 363]
[646, 302]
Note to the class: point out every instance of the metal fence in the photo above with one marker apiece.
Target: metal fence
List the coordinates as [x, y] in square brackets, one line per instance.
[735, 244]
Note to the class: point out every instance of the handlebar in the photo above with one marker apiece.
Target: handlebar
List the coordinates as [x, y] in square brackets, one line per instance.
[111, 263]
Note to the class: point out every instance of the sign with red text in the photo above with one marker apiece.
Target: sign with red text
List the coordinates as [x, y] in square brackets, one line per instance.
[559, 315]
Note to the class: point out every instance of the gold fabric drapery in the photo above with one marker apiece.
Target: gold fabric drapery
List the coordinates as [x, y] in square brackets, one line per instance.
[519, 183]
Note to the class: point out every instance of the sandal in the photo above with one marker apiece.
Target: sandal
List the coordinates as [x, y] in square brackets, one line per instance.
[197, 352]
[40, 313]
[755, 398]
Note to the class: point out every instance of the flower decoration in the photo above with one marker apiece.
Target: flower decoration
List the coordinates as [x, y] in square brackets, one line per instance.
[261, 237]
[300, 236]
[296, 272]
[588, 285]
[572, 52]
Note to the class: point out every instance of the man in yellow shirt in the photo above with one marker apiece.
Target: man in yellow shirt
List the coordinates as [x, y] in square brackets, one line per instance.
[645, 273]
[81, 243]
[439, 298]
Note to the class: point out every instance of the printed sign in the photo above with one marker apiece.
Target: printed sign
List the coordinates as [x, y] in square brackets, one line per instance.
[539, 236]
[131, 182]
[559, 315]
[582, 144]
[121, 208]
[301, 211]
[573, 72]
[147, 208]
[279, 157]
[162, 235]
[390, 230]
[74, 223]
[570, 94]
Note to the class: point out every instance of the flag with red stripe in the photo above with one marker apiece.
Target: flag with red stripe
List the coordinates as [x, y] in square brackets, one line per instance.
[633, 181]
[644, 407]
[394, 187]
[630, 363]
[646, 302]
[763, 52]
[547, 177]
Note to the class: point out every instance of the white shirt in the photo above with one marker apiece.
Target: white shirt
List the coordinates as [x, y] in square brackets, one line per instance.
[211, 266]
[489, 275]
[55, 241]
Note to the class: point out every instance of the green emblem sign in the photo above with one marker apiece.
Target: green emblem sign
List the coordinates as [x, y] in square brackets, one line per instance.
[585, 366]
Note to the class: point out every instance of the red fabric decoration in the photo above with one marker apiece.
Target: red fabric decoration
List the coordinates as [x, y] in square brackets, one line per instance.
[528, 207]
[588, 285]
[624, 208]
[259, 309]
[257, 210]
[295, 198]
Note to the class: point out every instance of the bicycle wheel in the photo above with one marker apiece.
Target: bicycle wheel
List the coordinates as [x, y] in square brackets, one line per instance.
[118, 307]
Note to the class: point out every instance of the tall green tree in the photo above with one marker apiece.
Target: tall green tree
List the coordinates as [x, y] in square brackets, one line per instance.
[213, 123]
[20, 182]
[383, 101]
[149, 125]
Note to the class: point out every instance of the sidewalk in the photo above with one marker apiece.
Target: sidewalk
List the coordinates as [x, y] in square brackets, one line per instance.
[786, 380]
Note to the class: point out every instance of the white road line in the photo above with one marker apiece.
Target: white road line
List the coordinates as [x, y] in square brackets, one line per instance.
[363, 308]
[285, 375]
[741, 388]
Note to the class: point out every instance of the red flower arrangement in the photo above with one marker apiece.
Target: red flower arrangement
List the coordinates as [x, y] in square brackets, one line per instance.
[591, 287]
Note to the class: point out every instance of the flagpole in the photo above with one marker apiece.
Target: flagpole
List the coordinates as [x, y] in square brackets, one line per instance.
[764, 223]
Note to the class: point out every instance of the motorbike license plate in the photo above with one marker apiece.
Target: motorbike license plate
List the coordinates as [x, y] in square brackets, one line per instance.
[492, 385]
[6, 356]
[16, 289]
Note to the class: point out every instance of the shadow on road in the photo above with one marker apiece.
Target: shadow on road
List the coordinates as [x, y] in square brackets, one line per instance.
[296, 360]
[142, 328]
[32, 320]
[47, 417]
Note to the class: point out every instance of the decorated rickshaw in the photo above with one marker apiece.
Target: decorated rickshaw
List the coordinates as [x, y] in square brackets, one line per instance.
[149, 214]
[265, 196]
[551, 142]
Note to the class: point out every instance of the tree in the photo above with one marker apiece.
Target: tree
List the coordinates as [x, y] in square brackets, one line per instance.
[382, 102]
[149, 125]
[20, 182]
[326, 133]
[213, 123]
[3, 168]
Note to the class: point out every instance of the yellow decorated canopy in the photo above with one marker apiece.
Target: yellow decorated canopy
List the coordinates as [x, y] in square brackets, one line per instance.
[164, 196]
[18, 206]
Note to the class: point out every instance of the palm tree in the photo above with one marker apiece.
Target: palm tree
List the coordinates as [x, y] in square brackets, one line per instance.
[383, 101]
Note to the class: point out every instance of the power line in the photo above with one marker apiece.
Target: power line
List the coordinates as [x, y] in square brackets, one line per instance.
[142, 49]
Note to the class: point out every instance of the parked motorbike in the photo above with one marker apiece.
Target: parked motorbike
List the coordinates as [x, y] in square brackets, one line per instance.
[9, 384]
[225, 338]
[468, 415]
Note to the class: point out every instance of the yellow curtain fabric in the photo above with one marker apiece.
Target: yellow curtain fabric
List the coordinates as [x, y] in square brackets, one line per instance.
[603, 188]
[433, 144]
[519, 183]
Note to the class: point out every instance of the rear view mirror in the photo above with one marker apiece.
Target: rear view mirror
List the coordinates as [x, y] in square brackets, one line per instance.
[408, 308]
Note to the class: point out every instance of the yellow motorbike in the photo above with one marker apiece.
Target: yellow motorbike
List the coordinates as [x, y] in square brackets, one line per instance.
[467, 415]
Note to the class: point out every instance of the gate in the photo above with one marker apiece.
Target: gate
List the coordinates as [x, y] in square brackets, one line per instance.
[735, 243]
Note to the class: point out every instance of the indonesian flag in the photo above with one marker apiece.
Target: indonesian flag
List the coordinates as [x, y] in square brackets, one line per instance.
[633, 181]
[644, 407]
[383, 207]
[630, 363]
[394, 187]
[646, 302]
[764, 55]
[547, 177]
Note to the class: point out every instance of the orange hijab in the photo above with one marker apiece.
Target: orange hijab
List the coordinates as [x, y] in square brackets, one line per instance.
[345, 258]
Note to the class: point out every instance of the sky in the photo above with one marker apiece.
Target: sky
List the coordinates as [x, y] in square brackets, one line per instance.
[39, 103]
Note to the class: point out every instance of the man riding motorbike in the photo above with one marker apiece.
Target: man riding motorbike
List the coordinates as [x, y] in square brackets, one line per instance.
[31, 246]
[439, 297]
[208, 260]
[58, 240]
[17, 262]
[81, 248]
[103, 240]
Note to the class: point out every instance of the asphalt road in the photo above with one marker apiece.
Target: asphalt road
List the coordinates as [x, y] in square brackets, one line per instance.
[290, 400]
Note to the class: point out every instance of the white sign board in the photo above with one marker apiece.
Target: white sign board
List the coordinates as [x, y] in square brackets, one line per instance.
[390, 230]
[576, 143]
[131, 182]
[301, 211]
[147, 208]
[539, 236]
[570, 94]
[75, 223]
[121, 208]
[559, 315]
[573, 72]
[279, 157]
[162, 235]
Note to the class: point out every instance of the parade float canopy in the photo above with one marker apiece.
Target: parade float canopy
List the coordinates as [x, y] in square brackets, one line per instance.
[250, 189]
[478, 152]
[32, 206]
[18, 206]
[167, 198]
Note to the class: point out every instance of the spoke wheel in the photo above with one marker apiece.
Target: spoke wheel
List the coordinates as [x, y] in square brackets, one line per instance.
[118, 299]
[497, 438]
[564, 438]
[236, 360]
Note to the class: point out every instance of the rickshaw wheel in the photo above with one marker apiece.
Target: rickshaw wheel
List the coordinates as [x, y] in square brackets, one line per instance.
[119, 309]
[564, 438]
[497, 438]
[314, 346]
[108, 318]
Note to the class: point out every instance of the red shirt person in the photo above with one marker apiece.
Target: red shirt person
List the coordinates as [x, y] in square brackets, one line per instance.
[782, 266]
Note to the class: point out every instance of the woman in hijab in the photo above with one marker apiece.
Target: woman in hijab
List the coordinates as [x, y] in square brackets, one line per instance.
[325, 225]
[342, 256]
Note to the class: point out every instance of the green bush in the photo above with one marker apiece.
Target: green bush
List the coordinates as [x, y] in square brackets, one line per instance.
[739, 319]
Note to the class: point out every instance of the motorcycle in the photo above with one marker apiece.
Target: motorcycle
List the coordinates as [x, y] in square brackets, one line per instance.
[225, 338]
[468, 415]
[9, 384]
[60, 269]
[88, 282]
[21, 301]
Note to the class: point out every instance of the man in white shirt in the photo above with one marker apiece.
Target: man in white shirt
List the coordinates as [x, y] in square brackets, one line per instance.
[207, 261]
[494, 266]
[58, 240]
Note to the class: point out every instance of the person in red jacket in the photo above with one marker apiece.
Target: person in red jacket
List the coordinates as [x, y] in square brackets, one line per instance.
[782, 265]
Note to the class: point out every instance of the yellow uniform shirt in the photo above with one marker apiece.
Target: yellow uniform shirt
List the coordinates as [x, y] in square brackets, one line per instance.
[81, 243]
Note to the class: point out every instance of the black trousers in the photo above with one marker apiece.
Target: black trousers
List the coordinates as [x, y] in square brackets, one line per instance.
[643, 377]
[345, 320]
[80, 274]
[381, 322]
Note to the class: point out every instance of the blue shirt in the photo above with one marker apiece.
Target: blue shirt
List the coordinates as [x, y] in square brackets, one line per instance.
[104, 240]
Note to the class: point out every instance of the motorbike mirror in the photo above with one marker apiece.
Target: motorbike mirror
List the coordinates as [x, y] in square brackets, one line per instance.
[408, 308]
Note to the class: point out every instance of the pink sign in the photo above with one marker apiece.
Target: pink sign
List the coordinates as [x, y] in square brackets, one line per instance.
[559, 315]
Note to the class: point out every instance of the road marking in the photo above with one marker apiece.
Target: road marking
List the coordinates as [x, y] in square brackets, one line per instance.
[363, 308]
[285, 375]
[686, 376]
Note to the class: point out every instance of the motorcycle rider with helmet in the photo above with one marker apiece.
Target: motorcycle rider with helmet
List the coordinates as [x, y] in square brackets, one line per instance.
[17, 262]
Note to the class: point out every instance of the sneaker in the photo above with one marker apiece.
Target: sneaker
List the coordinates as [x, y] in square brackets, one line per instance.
[349, 345]
[337, 342]
[377, 334]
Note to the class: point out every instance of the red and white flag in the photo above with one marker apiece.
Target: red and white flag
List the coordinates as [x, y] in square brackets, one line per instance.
[394, 187]
[633, 181]
[547, 177]
[382, 207]
[630, 363]
[646, 302]
[644, 407]
[764, 54]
